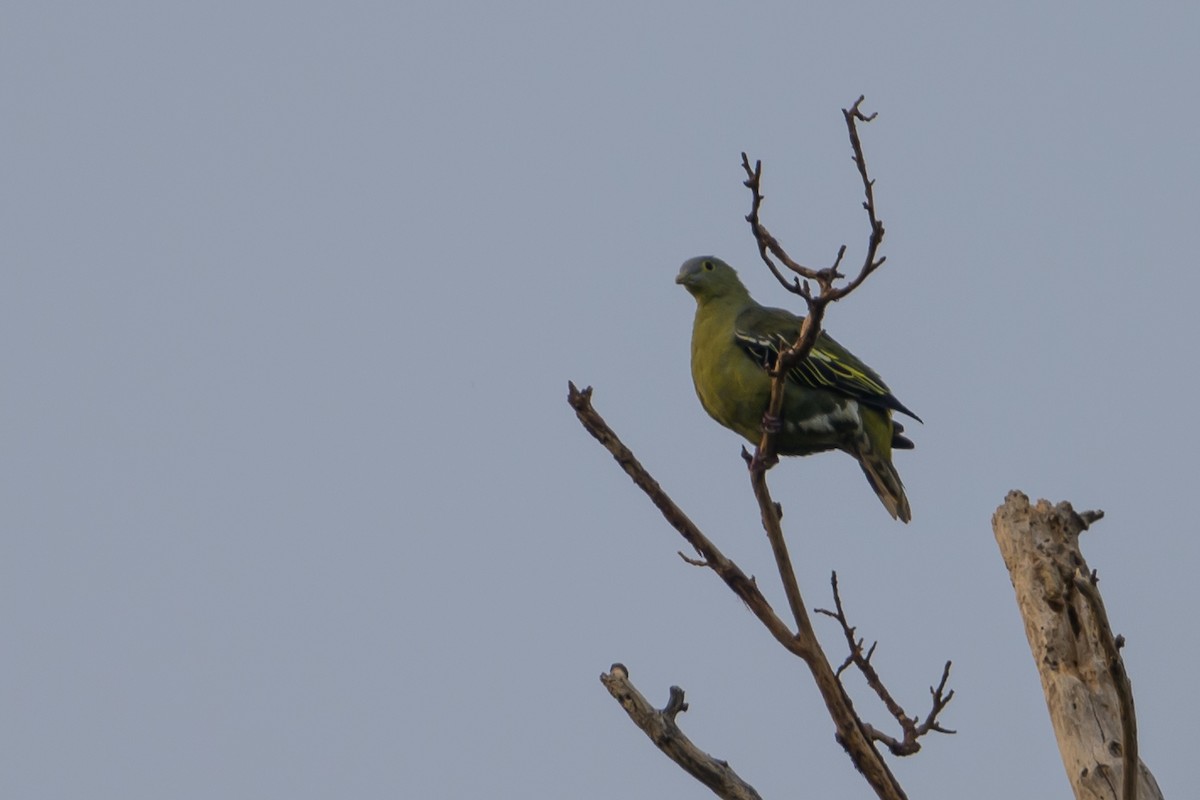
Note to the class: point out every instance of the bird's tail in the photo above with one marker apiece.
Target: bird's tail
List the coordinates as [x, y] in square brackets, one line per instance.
[874, 455]
[886, 482]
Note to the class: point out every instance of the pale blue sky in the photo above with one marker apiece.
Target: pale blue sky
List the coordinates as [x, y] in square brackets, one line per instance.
[293, 505]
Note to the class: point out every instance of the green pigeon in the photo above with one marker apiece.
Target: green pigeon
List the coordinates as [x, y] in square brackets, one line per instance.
[832, 400]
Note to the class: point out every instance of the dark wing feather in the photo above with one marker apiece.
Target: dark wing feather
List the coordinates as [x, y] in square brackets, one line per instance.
[764, 332]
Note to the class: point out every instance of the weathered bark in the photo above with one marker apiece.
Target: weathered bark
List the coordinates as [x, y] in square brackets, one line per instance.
[1087, 691]
[660, 726]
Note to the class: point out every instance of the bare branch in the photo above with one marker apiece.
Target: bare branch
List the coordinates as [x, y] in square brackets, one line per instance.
[850, 727]
[741, 584]
[853, 116]
[768, 246]
[660, 726]
[850, 731]
[856, 737]
[941, 698]
[912, 728]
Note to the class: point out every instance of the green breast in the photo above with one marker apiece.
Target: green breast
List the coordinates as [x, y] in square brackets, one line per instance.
[735, 391]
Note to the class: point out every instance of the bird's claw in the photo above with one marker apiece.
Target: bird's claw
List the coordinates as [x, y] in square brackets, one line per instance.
[760, 463]
[771, 423]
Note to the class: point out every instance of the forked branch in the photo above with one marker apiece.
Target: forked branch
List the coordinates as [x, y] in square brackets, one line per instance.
[765, 454]
[826, 279]
[768, 245]
[851, 732]
[912, 728]
[857, 737]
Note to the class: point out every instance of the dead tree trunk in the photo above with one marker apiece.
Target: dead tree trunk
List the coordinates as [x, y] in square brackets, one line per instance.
[1087, 691]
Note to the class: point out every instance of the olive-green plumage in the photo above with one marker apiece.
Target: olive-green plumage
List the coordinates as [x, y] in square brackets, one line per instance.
[832, 400]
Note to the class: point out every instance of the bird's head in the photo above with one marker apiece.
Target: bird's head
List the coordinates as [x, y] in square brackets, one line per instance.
[708, 277]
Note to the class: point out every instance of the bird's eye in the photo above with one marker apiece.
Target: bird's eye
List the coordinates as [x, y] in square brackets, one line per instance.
[708, 265]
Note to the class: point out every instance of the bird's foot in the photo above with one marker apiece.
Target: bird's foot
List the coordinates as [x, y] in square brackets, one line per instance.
[771, 423]
[759, 463]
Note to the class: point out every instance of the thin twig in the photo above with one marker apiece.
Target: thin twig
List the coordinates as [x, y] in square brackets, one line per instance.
[769, 246]
[911, 728]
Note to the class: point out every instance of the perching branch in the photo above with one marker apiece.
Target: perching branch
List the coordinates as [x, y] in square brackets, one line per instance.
[851, 732]
[810, 329]
[1087, 691]
[913, 728]
[856, 736]
[765, 455]
[662, 729]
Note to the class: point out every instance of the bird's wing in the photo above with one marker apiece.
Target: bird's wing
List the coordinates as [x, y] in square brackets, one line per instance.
[764, 332]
